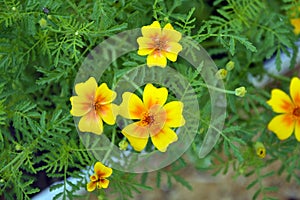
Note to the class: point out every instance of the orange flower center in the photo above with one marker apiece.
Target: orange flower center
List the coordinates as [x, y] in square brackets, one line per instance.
[147, 119]
[296, 112]
[97, 105]
[159, 43]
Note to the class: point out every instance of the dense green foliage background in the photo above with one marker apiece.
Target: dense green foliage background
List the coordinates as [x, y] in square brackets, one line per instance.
[42, 45]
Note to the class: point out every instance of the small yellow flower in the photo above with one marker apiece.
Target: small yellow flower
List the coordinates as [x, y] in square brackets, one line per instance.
[230, 66]
[43, 23]
[159, 44]
[155, 118]
[221, 74]
[94, 105]
[260, 149]
[288, 120]
[98, 180]
[240, 92]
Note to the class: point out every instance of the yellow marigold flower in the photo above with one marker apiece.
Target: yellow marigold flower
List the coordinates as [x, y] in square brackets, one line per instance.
[230, 66]
[98, 180]
[296, 23]
[260, 149]
[240, 92]
[288, 120]
[159, 44]
[221, 74]
[93, 104]
[155, 118]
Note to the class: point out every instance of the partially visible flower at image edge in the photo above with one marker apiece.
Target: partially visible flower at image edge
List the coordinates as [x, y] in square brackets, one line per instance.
[98, 179]
[155, 118]
[288, 120]
[159, 44]
[296, 23]
[94, 105]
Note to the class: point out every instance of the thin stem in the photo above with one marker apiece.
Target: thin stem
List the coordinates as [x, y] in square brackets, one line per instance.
[216, 89]
[111, 146]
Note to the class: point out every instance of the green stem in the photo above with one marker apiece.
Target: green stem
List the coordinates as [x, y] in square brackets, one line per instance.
[111, 145]
[216, 89]
[216, 129]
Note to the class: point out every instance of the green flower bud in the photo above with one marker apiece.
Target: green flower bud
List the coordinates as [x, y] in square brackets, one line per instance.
[260, 149]
[221, 74]
[43, 23]
[230, 65]
[18, 147]
[123, 145]
[240, 92]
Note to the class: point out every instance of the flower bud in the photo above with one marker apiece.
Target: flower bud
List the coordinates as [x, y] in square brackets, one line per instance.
[230, 66]
[123, 145]
[43, 23]
[260, 149]
[221, 74]
[240, 92]
[18, 147]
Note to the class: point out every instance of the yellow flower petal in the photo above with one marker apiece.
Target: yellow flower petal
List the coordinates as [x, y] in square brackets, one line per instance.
[91, 122]
[174, 47]
[143, 52]
[102, 171]
[136, 135]
[107, 114]
[156, 59]
[296, 23]
[94, 177]
[280, 102]
[104, 183]
[295, 91]
[152, 30]
[168, 26]
[174, 114]
[171, 35]
[87, 89]
[91, 186]
[104, 95]
[173, 50]
[132, 106]
[159, 116]
[80, 106]
[282, 125]
[145, 43]
[153, 96]
[297, 129]
[164, 138]
[146, 46]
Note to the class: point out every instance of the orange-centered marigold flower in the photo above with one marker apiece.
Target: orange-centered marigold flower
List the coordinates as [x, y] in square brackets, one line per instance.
[155, 118]
[288, 120]
[159, 44]
[93, 104]
[99, 178]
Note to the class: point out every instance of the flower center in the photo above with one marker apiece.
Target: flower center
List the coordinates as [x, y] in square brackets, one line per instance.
[147, 119]
[97, 106]
[159, 44]
[296, 112]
